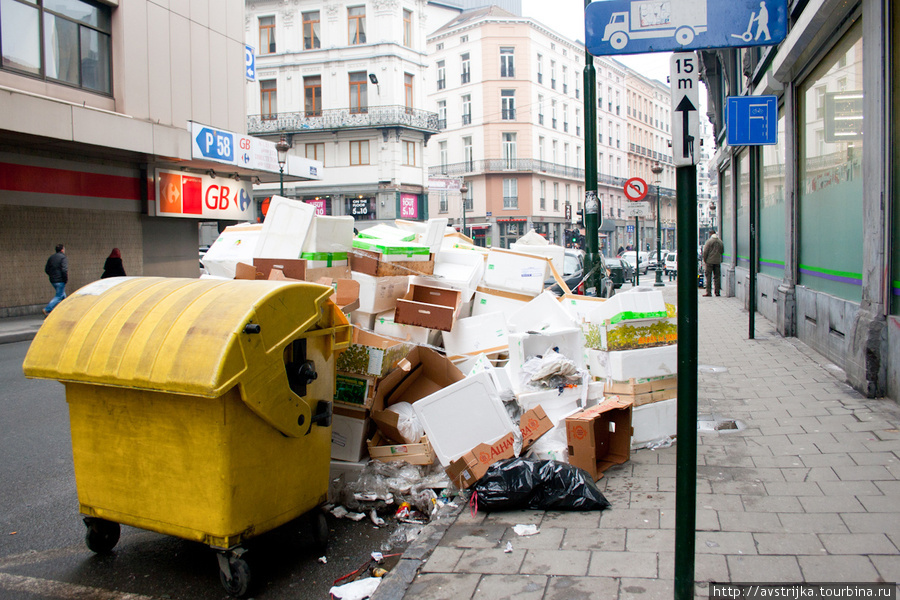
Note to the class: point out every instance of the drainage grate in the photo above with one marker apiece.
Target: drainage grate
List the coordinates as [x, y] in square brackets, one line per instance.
[719, 424]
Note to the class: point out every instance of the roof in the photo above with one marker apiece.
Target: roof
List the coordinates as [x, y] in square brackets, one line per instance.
[471, 16]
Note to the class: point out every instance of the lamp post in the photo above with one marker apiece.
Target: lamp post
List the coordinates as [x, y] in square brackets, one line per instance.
[463, 190]
[282, 148]
[657, 169]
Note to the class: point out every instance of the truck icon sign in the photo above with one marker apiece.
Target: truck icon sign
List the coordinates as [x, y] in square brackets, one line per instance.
[679, 19]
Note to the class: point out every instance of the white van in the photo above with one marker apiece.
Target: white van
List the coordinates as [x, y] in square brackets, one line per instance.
[671, 265]
[644, 259]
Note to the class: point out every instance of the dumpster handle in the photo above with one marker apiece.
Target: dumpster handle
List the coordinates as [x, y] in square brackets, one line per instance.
[252, 328]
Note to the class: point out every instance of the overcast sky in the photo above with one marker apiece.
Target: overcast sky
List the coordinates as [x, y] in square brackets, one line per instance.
[567, 17]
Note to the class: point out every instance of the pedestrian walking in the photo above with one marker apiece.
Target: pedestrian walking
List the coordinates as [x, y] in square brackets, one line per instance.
[712, 259]
[113, 266]
[57, 269]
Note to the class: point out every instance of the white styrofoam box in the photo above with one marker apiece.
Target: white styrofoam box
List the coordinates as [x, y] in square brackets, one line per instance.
[363, 319]
[522, 346]
[463, 415]
[642, 363]
[556, 254]
[434, 234]
[394, 251]
[285, 229]
[386, 232]
[654, 421]
[486, 302]
[330, 234]
[514, 272]
[557, 405]
[635, 303]
[378, 294]
[532, 238]
[544, 313]
[475, 335]
[235, 244]
[460, 269]
[385, 325]
[348, 438]
[321, 264]
[580, 307]
[340, 474]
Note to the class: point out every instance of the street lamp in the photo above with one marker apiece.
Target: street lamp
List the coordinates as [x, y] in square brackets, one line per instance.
[657, 169]
[463, 190]
[282, 148]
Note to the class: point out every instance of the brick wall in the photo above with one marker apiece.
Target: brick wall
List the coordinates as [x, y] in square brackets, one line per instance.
[28, 236]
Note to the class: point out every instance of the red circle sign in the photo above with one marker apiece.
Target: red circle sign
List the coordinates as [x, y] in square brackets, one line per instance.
[635, 189]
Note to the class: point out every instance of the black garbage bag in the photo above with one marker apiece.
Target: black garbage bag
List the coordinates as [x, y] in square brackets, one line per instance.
[519, 483]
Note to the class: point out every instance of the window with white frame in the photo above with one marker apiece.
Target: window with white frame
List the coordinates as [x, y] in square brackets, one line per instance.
[509, 150]
[467, 109]
[508, 105]
[565, 78]
[465, 68]
[540, 69]
[540, 109]
[442, 153]
[468, 154]
[409, 153]
[442, 114]
[441, 75]
[541, 148]
[510, 193]
[543, 195]
[553, 113]
[556, 196]
[507, 61]
[565, 117]
[553, 74]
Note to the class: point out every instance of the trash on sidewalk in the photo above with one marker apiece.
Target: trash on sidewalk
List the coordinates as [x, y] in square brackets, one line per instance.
[356, 590]
[526, 530]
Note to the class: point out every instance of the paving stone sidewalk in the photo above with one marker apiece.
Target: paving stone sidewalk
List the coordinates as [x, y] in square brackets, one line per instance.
[809, 491]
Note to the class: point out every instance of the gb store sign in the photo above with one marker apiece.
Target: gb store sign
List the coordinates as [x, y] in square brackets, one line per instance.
[192, 196]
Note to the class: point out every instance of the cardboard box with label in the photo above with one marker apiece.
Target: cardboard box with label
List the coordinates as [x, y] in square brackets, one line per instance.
[354, 389]
[644, 391]
[600, 437]
[385, 450]
[348, 433]
[371, 354]
[515, 272]
[370, 263]
[378, 294]
[428, 306]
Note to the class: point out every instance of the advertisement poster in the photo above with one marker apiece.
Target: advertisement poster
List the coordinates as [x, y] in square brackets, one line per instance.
[185, 195]
[409, 206]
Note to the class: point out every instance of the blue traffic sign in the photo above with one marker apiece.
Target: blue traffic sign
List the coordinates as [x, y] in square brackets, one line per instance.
[218, 145]
[638, 26]
[250, 63]
[629, 228]
[752, 120]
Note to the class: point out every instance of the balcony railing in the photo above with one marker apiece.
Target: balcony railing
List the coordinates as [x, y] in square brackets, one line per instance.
[467, 119]
[344, 118]
[498, 165]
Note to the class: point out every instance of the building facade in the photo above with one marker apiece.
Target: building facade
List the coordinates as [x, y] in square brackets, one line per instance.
[828, 244]
[345, 83]
[96, 96]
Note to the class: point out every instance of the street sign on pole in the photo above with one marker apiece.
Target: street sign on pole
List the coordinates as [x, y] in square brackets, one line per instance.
[637, 209]
[638, 26]
[752, 120]
[250, 63]
[685, 81]
[635, 189]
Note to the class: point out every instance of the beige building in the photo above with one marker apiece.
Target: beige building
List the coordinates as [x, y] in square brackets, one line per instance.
[96, 105]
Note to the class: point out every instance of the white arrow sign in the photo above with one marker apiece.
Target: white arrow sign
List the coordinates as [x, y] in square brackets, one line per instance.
[637, 209]
[685, 81]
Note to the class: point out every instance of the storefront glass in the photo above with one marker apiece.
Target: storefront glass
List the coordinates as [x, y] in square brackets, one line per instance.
[831, 184]
[771, 210]
[743, 210]
[727, 214]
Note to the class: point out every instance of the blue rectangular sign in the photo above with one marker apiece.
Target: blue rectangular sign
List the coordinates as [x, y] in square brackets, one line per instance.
[639, 26]
[752, 120]
[250, 63]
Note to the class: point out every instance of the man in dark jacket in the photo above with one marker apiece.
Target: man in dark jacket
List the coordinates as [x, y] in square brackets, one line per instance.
[57, 269]
[712, 258]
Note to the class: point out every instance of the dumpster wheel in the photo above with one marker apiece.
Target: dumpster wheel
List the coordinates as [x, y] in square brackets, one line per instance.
[102, 535]
[234, 572]
[320, 533]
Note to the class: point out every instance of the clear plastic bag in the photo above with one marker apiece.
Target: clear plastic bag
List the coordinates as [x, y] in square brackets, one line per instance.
[549, 370]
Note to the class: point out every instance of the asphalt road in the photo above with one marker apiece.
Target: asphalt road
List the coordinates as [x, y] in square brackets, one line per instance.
[42, 550]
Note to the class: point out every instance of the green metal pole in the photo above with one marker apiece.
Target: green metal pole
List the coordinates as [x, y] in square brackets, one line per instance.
[281, 180]
[686, 456]
[755, 164]
[659, 281]
[637, 252]
[591, 201]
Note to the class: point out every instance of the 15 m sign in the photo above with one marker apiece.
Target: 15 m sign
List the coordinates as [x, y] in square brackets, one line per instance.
[684, 77]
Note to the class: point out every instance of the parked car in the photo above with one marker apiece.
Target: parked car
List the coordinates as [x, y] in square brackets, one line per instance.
[671, 263]
[620, 271]
[573, 273]
[642, 260]
[652, 265]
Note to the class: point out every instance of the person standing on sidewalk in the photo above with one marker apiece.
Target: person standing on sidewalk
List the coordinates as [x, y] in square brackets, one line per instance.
[712, 259]
[113, 266]
[57, 269]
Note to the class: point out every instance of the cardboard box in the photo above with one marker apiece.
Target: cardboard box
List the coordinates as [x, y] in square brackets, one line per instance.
[354, 389]
[394, 251]
[348, 433]
[655, 421]
[386, 325]
[383, 449]
[262, 269]
[346, 293]
[600, 437]
[427, 306]
[422, 373]
[370, 263]
[515, 272]
[644, 391]
[484, 334]
[378, 294]
[488, 301]
[318, 260]
[533, 424]
[363, 319]
[371, 354]
[470, 467]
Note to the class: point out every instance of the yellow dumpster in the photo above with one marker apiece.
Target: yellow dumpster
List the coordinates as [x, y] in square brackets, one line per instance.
[199, 408]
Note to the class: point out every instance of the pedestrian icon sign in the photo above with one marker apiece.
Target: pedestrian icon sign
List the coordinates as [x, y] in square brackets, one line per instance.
[752, 120]
[638, 26]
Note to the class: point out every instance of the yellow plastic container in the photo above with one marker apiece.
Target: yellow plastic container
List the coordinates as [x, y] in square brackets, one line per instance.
[192, 403]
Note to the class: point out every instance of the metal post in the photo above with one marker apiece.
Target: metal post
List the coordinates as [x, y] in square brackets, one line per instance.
[463, 190]
[754, 216]
[657, 169]
[686, 454]
[281, 180]
[592, 208]
[637, 252]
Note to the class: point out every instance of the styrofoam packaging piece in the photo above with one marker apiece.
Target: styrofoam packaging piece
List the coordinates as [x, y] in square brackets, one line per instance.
[460, 269]
[285, 229]
[474, 335]
[394, 251]
[387, 232]
[544, 313]
[484, 302]
[522, 346]
[557, 405]
[636, 300]
[463, 415]
[378, 294]
[513, 272]
[385, 325]
[654, 421]
[363, 319]
[622, 365]
[330, 234]
[580, 307]
[434, 234]
[235, 244]
[532, 238]
[556, 254]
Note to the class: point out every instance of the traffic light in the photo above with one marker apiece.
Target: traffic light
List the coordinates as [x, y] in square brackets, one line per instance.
[580, 214]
